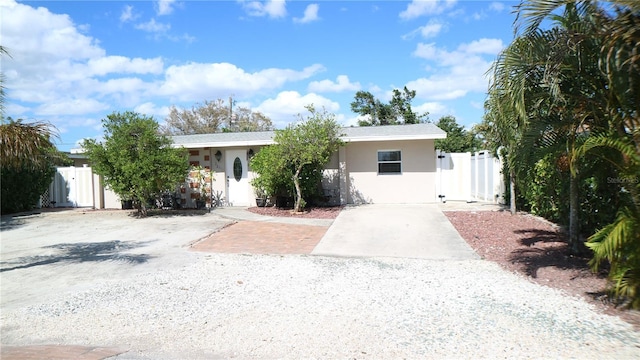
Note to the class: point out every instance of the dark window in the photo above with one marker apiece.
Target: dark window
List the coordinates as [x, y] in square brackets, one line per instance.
[237, 169]
[390, 162]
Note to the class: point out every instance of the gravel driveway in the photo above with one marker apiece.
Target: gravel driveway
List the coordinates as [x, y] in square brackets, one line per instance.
[180, 304]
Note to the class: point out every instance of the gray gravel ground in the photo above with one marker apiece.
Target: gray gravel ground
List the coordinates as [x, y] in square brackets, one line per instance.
[104, 279]
[240, 306]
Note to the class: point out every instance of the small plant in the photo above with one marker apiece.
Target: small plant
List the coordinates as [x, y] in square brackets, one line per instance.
[217, 199]
[261, 197]
[200, 178]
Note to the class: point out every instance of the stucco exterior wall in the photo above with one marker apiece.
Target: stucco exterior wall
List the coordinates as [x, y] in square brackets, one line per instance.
[416, 183]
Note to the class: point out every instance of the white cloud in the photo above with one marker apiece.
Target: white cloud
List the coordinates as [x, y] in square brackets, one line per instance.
[121, 86]
[15, 109]
[432, 29]
[497, 6]
[127, 14]
[153, 27]
[152, 109]
[56, 36]
[439, 88]
[429, 30]
[284, 109]
[164, 7]
[184, 37]
[375, 89]
[483, 46]
[71, 107]
[198, 80]
[457, 72]
[55, 70]
[121, 65]
[436, 110]
[310, 14]
[429, 52]
[419, 8]
[271, 8]
[479, 15]
[342, 84]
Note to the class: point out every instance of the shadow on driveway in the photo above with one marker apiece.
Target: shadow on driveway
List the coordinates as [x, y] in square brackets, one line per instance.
[80, 253]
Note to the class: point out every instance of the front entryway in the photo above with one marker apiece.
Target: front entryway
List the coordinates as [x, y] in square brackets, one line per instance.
[237, 177]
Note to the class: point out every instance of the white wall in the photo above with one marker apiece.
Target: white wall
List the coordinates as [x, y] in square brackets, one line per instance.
[416, 183]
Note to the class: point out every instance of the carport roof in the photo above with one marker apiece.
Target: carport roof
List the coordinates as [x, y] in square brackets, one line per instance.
[351, 134]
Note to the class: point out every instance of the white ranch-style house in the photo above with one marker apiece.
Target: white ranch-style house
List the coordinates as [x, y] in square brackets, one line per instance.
[395, 164]
[382, 164]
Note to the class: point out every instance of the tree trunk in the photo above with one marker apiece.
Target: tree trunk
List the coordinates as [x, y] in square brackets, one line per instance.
[298, 205]
[574, 229]
[142, 209]
[512, 191]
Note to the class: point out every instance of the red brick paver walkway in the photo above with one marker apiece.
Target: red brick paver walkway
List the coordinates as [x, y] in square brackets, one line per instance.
[259, 237]
[55, 352]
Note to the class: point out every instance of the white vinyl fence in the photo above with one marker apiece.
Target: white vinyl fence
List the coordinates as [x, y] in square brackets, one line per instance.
[469, 177]
[488, 182]
[78, 187]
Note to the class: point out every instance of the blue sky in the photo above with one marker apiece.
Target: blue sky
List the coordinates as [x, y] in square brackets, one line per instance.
[74, 62]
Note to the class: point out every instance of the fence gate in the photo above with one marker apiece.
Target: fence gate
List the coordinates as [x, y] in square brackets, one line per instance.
[469, 177]
[454, 172]
[72, 187]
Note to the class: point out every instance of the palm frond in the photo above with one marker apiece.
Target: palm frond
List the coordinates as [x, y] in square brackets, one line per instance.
[620, 144]
[530, 14]
[26, 144]
[619, 244]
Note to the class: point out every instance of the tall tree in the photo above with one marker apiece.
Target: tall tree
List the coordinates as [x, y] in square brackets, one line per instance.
[458, 138]
[136, 162]
[397, 111]
[213, 117]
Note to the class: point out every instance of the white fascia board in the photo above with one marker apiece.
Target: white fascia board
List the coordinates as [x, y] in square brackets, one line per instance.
[345, 138]
[223, 144]
[394, 138]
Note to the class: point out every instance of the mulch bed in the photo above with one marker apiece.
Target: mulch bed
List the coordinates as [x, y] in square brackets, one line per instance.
[310, 212]
[537, 249]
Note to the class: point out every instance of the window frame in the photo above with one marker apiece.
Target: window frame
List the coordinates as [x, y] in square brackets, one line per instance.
[380, 162]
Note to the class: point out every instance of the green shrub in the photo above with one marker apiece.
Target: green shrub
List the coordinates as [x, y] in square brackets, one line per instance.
[22, 187]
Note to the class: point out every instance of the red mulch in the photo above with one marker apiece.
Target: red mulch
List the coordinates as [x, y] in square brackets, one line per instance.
[311, 212]
[537, 249]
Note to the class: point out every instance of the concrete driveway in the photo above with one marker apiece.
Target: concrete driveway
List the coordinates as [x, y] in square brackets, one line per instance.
[409, 231]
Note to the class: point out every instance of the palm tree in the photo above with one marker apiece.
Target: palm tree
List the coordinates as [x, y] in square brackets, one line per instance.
[500, 130]
[26, 145]
[595, 96]
[549, 85]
